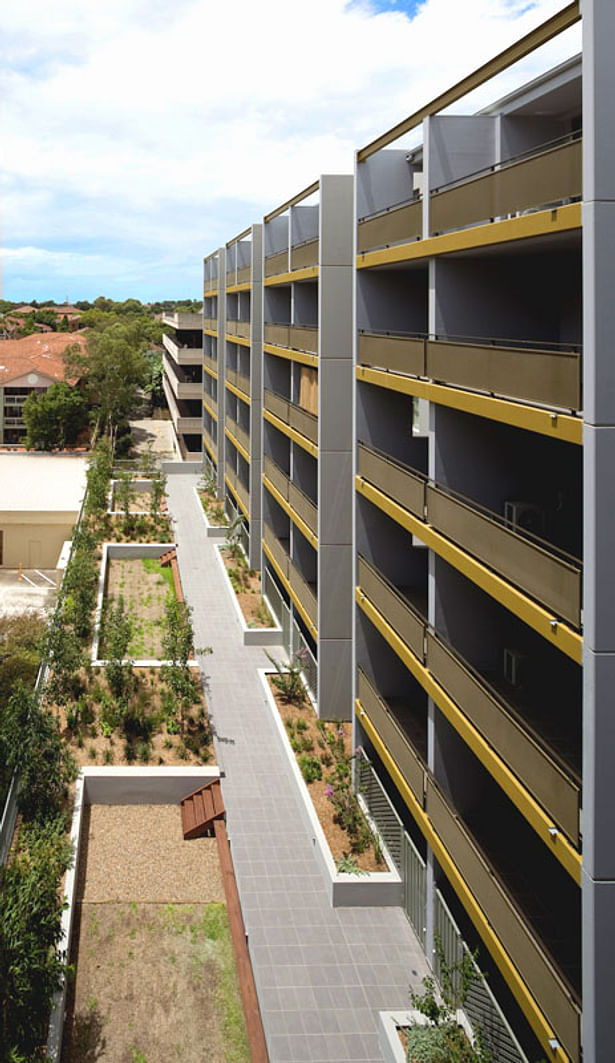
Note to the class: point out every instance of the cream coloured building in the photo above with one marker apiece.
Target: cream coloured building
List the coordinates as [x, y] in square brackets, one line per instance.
[40, 499]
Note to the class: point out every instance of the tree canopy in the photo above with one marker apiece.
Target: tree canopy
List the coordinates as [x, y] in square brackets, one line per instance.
[54, 418]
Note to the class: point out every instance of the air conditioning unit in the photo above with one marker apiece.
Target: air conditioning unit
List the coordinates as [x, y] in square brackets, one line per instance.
[514, 665]
[526, 516]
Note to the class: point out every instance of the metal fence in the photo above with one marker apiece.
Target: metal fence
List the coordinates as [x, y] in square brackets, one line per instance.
[243, 536]
[298, 644]
[293, 638]
[279, 607]
[480, 1006]
[403, 851]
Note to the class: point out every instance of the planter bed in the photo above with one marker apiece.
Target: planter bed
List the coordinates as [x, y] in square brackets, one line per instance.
[150, 731]
[251, 606]
[147, 929]
[393, 1027]
[375, 884]
[142, 488]
[148, 626]
[212, 512]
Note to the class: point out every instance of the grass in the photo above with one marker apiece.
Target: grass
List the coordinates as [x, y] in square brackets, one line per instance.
[153, 567]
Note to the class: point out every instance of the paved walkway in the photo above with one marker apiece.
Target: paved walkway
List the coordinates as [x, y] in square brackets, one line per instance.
[321, 973]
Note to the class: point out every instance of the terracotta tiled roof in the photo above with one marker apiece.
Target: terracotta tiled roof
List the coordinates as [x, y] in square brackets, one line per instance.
[36, 354]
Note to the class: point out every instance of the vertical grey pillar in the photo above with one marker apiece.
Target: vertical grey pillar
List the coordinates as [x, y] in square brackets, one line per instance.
[598, 874]
[335, 445]
[221, 256]
[256, 393]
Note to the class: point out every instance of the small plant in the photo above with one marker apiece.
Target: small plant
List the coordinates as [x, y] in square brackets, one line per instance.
[92, 752]
[348, 865]
[129, 752]
[143, 752]
[289, 680]
[310, 767]
[108, 756]
[168, 743]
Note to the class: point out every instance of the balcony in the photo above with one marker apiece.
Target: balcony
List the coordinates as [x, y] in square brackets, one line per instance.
[304, 255]
[399, 224]
[532, 959]
[230, 278]
[239, 433]
[181, 354]
[184, 421]
[549, 175]
[503, 916]
[183, 319]
[296, 337]
[183, 386]
[277, 263]
[210, 323]
[399, 729]
[530, 755]
[239, 490]
[239, 380]
[238, 328]
[299, 503]
[210, 444]
[303, 591]
[536, 567]
[243, 275]
[292, 415]
[211, 363]
[211, 285]
[548, 375]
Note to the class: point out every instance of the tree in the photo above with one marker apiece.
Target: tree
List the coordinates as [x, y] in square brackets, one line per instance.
[54, 418]
[116, 637]
[153, 383]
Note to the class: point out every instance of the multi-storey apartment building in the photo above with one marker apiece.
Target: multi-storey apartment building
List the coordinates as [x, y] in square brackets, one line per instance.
[183, 380]
[455, 376]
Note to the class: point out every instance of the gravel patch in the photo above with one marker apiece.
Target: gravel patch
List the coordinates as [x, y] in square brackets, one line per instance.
[137, 853]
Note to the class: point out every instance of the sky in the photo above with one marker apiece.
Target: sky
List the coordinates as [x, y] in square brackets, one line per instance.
[139, 135]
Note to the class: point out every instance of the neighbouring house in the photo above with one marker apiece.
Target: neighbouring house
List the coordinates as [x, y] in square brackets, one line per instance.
[39, 505]
[33, 363]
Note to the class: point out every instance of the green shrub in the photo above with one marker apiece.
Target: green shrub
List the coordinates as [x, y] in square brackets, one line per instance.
[310, 767]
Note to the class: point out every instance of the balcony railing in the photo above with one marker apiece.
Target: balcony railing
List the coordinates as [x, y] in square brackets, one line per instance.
[550, 175]
[537, 567]
[531, 958]
[240, 380]
[241, 492]
[211, 362]
[210, 323]
[243, 275]
[548, 375]
[211, 284]
[302, 590]
[277, 263]
[398, 225]
[305, 254]
[296, 337]
[296, 498]
[210, 443]
[395, 738]
[238, 328]
[239, 433]
[230, 278]
[534, 763]
[292, 415]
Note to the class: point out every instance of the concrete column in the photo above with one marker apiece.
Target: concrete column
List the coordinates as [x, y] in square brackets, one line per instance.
[256, 396]
[335, 431]
[598, 876]
[221, 369]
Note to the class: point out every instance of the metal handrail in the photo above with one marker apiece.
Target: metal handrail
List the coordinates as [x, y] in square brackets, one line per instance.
[483, 341]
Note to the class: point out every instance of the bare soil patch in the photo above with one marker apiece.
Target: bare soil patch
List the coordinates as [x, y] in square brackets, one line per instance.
[155, 979]
[246, 584]
[213, 508]
[336, 836]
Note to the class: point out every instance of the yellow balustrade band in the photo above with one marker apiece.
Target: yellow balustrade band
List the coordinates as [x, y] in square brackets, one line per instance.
[303, 441]
[238, 392]
[238, 446]
[308, 623]
[212, 372]
[211, 412]
[244, 287]
[519, 415]
[305, 274]
[539, 1023]
[294, 516]
[558, 634]
[209, 447]
[538, 819]
[304, 357]
[241, 340]
[524, 227]
[210, 332]
[235, 495]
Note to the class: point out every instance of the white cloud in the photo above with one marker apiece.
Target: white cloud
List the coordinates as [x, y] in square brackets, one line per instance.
[179, 124]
